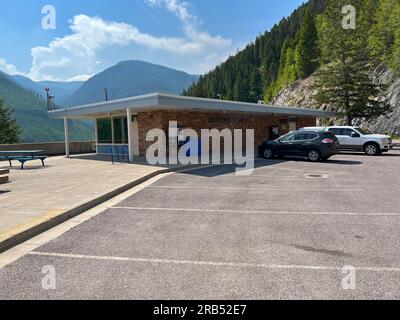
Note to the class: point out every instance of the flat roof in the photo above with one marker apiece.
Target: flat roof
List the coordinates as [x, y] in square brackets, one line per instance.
[161, 101]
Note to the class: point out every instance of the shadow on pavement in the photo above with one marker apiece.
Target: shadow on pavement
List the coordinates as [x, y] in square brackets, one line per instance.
[224, 169]
[344, 162]
[217, 170]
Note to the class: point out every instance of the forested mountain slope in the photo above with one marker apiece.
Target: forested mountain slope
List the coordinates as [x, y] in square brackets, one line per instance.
[311, 59]
[30, 111]
[246, 76]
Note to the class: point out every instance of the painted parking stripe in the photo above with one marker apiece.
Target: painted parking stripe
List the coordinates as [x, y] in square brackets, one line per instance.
[379, 214]
[252, 189]
[264, 176]
[211, 263]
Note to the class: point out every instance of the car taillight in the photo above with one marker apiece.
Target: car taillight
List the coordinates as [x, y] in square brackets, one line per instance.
[328, 141]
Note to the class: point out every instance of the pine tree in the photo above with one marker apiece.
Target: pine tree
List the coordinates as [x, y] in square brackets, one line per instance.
[287, 71]
[9, 130]
[384, 39]
[240, 88]
[255, 89]
[259, 62]
[307, 53]
[346, 82]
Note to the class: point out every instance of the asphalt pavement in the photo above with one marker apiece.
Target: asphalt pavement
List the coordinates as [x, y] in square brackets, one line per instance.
[291, 230]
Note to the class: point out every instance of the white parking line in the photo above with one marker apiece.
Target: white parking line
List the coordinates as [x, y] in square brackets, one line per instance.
[373, 214]
[211, 263]
[265, 176]
[19, 251]
[253, 189]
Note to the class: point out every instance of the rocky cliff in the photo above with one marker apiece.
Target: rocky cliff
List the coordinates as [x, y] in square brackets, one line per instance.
[301, 94]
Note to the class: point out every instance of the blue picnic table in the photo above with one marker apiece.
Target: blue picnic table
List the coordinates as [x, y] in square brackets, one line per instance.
[23, 156]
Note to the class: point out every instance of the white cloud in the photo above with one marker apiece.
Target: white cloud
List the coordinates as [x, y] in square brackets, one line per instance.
[7, 68]
[75, 56]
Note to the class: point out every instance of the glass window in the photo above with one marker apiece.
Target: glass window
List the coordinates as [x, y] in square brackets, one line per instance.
[335, 131]
[305, 136]
[120, 130]
[288, 138]
[104, 134]
[301, 136]
[104, 130]
[330, 135]
[364, 131]
[347, 132]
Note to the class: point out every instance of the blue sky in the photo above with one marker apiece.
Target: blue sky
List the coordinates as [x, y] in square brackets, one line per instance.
[92, 35]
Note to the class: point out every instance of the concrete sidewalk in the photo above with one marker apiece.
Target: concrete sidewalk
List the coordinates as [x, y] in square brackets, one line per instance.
[39, 198]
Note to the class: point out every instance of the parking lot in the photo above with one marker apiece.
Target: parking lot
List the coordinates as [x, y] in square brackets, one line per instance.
[284, 232]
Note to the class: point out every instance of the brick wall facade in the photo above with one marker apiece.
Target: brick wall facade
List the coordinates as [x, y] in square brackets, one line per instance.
[217, 120]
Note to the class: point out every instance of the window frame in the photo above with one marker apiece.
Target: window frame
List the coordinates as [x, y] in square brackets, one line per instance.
[116, 138]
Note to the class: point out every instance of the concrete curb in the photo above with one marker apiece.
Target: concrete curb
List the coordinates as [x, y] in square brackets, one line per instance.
[29, 231]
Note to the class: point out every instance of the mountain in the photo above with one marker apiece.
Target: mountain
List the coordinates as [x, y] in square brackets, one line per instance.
[246, 75]
[30, 111]
[128, 78]
[280, 66]
[60, 90]
[131, 78]
[301, 93]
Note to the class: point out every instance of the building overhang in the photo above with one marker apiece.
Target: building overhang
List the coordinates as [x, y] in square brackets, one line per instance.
[159, 101]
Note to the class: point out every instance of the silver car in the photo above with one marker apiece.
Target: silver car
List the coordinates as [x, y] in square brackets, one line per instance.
[358, 139]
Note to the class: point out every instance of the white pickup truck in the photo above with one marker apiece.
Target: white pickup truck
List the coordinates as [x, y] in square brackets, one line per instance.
[358, 139]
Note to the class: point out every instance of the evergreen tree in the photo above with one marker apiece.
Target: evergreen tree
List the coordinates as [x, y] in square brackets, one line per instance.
[257, 69]
[240, 88]
[287, 71]
[312, 36]
[9, 130]
[307, 54]
[255, 89]
[345, 82]
[384, 39]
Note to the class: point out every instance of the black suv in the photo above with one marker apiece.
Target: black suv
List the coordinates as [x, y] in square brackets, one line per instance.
[313, 145]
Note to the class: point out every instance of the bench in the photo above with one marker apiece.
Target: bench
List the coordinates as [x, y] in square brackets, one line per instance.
[6, 158]
[22, 160]
[4, 175]
[23, 156]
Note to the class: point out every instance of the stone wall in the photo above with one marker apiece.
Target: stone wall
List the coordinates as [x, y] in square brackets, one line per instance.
[216, 120]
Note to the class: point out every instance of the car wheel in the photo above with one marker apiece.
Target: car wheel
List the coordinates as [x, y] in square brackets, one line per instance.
[267, 153]
[372, 149]
[314, 155]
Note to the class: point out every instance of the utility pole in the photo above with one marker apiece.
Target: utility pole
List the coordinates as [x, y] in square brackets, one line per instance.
[106, 93]
[50, 104]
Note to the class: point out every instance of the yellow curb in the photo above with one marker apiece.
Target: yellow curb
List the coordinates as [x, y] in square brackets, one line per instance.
[55, 217]
[27, 226]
